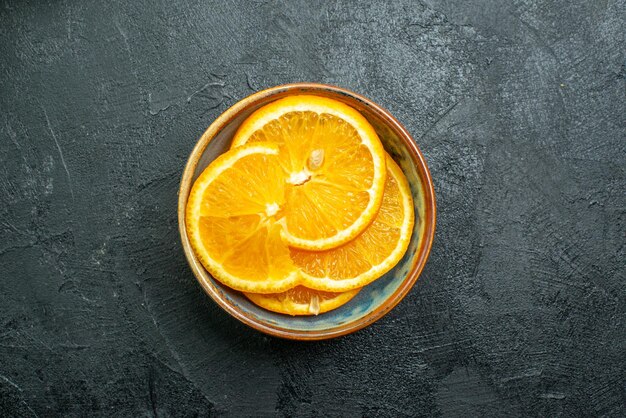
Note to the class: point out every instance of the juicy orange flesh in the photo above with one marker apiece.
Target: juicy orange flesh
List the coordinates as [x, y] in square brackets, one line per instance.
[237, 226]
[301, 300]
[245, 188]
[326, 168]
[302, 295]
[369, 249]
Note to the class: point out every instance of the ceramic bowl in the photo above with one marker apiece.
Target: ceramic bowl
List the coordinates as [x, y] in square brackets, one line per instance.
[376, 299]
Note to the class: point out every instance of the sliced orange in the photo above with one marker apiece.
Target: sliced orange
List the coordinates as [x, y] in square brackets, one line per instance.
[302, 301]
[371, 254]
[232, 220]
[333, 163]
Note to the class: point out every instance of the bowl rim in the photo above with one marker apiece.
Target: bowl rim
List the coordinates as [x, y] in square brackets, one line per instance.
[422, 252]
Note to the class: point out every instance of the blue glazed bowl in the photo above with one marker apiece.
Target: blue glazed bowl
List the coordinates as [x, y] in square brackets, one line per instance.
[374, 300]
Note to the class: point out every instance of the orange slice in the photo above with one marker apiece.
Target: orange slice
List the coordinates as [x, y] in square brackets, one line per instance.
[333, 163]
[371, 254]
[232, 220]
[302, 301]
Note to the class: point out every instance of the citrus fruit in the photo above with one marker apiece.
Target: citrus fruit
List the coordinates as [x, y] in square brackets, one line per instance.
[333, 164]
[373, 252]
[302, 301]
[232, 220]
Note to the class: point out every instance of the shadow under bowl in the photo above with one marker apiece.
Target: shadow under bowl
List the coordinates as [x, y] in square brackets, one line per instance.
[375, 299]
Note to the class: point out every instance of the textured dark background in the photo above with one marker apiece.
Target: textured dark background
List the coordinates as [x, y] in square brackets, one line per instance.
[519, 107]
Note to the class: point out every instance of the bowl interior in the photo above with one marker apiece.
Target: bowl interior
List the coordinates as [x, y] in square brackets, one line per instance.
[373, 297]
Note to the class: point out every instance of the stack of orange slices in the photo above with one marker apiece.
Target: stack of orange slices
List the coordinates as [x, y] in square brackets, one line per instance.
[304, 210]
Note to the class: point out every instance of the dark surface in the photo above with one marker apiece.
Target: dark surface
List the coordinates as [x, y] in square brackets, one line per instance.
[519, 107]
